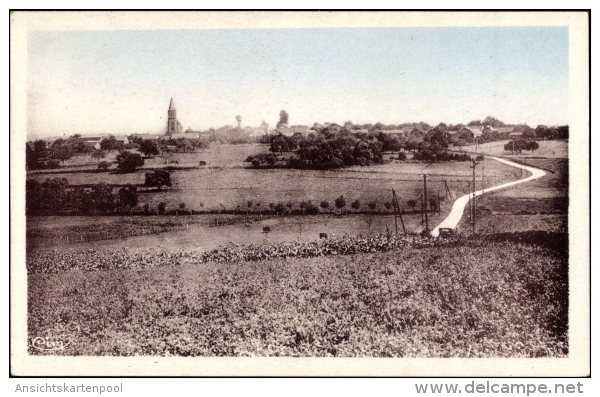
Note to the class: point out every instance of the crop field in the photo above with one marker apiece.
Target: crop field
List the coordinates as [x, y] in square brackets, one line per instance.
[461, 299]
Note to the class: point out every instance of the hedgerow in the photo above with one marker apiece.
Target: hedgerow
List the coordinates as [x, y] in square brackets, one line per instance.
[91, 260]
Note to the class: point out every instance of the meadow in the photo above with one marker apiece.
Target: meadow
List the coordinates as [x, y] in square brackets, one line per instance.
[230, 187]
[548, 149]
[542, 204]
[202, 232]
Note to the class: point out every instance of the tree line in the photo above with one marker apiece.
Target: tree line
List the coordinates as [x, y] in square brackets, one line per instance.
[56, 196]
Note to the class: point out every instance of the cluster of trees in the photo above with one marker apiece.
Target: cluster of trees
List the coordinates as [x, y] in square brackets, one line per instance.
[129, 162]
[40, 156]
[340, 150]
[520, 144]
[262, 159]
[158, 178]
[327, 150]
[433, 156]
[56, 196]
[151, 147]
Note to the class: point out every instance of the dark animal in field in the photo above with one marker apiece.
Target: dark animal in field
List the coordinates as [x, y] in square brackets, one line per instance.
[322, 235]
[267, 229]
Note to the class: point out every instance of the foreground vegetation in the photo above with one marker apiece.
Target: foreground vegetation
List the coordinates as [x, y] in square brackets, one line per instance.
[476, 298]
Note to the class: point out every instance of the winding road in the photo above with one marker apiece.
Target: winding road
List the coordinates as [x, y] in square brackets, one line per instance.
[459, 205]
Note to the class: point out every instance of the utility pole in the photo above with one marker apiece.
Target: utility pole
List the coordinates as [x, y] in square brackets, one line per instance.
[426, 203]
[475, 163]
[394, 204]
[470, 211]
[439, 204]
[483, 178]
[397, 208]
[422, 215]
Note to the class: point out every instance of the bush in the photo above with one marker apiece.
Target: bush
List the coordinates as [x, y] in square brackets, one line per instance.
[402, 156]
[103, 165]
[158, 178]
[128, 162]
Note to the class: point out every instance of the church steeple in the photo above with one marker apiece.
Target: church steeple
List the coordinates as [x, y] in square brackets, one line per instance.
[172, 124]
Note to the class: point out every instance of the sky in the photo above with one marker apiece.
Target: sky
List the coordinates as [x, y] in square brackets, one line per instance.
[121, 81]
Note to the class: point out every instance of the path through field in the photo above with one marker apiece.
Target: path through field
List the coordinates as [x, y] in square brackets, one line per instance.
[459, 205]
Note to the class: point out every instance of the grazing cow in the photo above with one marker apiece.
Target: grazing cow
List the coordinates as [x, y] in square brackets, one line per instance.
[266, 229]
[322, 235]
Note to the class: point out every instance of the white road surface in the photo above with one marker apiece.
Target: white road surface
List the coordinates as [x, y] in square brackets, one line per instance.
[459, 205]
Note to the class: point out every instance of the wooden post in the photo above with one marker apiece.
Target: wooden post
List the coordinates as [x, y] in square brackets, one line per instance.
[426, 203]
[395, 216]
[422, 215]
[397, 206]
[470, 211]
[474, 207]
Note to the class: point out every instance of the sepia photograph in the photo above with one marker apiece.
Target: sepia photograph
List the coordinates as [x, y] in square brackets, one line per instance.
[360, 193]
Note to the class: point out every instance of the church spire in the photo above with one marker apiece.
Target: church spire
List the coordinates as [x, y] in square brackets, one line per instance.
[173, 126]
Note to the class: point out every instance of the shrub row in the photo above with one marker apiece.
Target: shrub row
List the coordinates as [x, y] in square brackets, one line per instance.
[56, 262]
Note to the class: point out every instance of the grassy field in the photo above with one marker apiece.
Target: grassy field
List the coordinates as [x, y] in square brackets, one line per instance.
[472, 299]
[201, 232]
[548, 149]
[231, 187]
[542, 204]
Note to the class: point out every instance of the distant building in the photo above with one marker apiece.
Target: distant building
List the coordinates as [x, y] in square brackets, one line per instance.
[148, 136]
[186, 135]
[284, 129]
[122, 139]
[264, 126]
[475, 131]
[400, 132]
[173, 126]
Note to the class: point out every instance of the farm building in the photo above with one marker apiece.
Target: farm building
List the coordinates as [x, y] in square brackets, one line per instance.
[396, 132]
[147, 136]
[284, 130]
[122, 139]
[183, 135]
[264, 126]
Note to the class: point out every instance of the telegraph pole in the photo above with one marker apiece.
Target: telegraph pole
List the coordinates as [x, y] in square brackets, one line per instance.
[470, 211]
[483, 178]
[475, 163]
[426, 203]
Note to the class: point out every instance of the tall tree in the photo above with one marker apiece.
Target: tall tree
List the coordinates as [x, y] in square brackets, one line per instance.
[149, 148]
[283, 118]
[128, 196]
